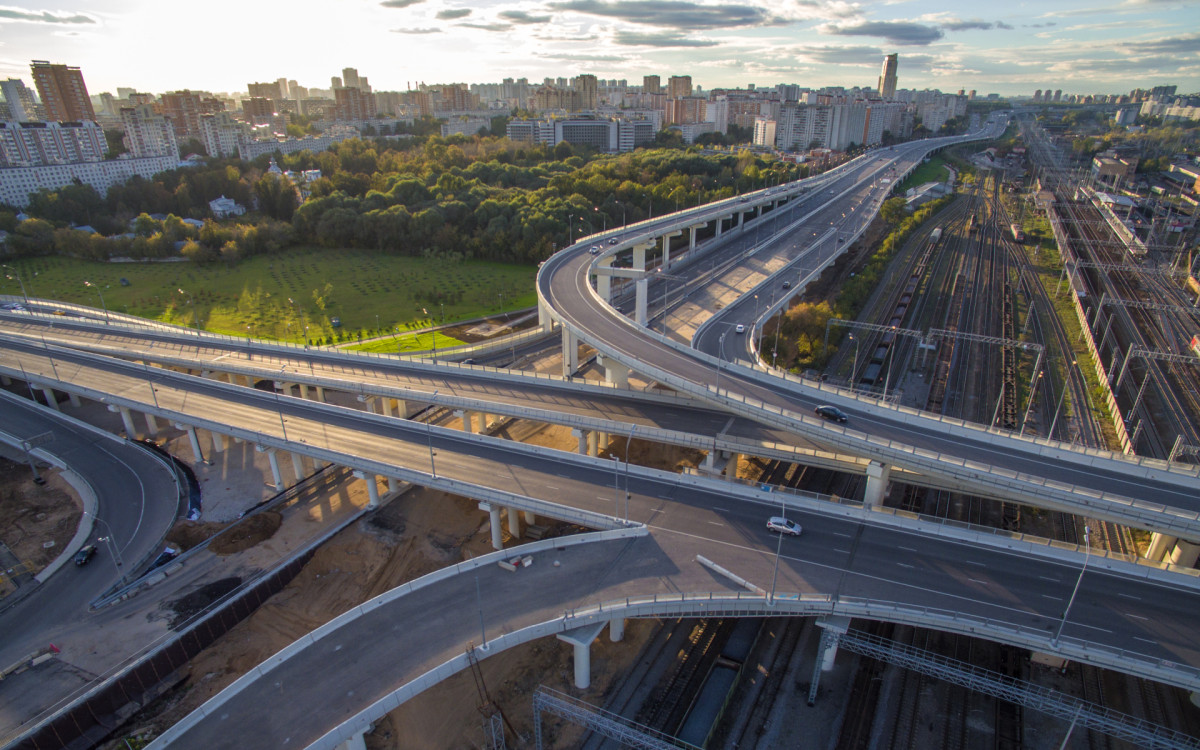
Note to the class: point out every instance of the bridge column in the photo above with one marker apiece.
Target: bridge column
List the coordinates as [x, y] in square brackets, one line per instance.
[73, 398]
[720, 222]
[52, 400]
[372, 488]
[401, 408]
[832, 628]
[320, 393]
[304, 391]
[616, 629]
[151, 424]
[666, 249]
[193, 440]
[570, 353]
[514, 523]
[545, 322]
[126, 419]
[385, 406]
[393, 484]
[493, 512]
[641, 287]
[530, 518]
[298, 466]
[615, 373]
[368, 402]
[218, 441]
[1185, 554]
[274, 460]
[483, 423]
[877, 482]
[356, 742]
[466, 417]
[1160, 546]
[603, 280]
[732, 467]
[692, 238]
[593, 443]
[5, 381]
[584, 438]
[581, 639]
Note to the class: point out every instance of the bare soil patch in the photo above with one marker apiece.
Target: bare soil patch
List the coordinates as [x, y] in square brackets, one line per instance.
[33, 516]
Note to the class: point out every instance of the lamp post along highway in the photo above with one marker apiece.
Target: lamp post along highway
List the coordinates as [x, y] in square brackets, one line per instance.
[1062, 397]
[102, 305]
[1087, 548]
[429, 437]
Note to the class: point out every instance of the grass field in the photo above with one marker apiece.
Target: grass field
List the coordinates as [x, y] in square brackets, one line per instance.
[407, 342]
[280, 296]
[933, 170]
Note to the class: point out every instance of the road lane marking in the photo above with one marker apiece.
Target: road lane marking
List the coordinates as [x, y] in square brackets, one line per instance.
[551, 487]
[1048, 578]
[838, 533]
[1131, 596]
[977, 580]
[975, 562]
[905, 565]
[1055, 598]
[1140, 617]
[723, 510]
[908, 549]
[716, 523]
[843, 551]
[1145, 640]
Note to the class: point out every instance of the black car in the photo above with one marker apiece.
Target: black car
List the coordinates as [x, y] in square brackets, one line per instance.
[832, 413]
[84, 554]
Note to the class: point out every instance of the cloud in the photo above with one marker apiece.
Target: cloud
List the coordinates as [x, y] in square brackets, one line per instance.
[399, 3]
[416, 31]
[1186, 44]
[951, 23]
[568, 57]
[451, 13]
[9, 13]
[862, 55]
[896, 32]
[659, 39]
[485, 26]
[672, 14]
[521, 17]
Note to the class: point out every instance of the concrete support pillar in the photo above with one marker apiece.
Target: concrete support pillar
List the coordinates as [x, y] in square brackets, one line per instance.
[493, 512]
[604, 286]
[52, 400]
[151, 424]
[393, 484]
[284, 388]
[466, 417]
[720, 224]
[74, 399]
[615, 373]
[401, 408]
[194, 441]
[298, 466]
[602, 439]
[640, 301]
[583, 437]
[126, 419]
[732, 467]
[692, 238]
[581, 639]
[304, 390]
[372, 488]
[616, 629]
[1185, 554]
[320, 393]
[832, 628]
[593, 443]
[483, 422]
[368, 402]
[1160, 546]
[357, 742]
[5, 381]
[273, 459]
[544, 320]
[514, 523]
[877, 482]
[218, 441]
[383, 405]
[530, 518]
[250, 381]
[639, 255]
[666, 249]
[570, 353]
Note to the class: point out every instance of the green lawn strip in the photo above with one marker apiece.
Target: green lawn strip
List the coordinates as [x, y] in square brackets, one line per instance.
[371, 293]
[933, 170]
[411, 342]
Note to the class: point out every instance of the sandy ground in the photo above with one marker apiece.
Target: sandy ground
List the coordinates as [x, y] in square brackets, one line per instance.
[36, 521]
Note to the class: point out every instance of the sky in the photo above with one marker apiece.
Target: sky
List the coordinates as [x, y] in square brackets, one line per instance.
[1008, 48]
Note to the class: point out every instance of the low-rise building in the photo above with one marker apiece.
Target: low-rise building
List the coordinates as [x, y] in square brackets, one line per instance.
[16, 183]
[223, 208]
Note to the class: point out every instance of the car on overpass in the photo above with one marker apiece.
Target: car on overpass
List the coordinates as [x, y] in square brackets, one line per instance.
[831, 413]
[783, 525]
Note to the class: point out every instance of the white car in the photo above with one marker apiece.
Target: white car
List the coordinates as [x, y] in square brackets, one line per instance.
[595, 250]
[740, 328]
[783, 525]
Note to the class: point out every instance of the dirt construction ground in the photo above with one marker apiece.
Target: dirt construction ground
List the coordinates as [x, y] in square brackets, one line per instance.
[36, 521]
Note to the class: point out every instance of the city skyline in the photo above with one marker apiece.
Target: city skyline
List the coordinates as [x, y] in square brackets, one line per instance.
[1074, 46]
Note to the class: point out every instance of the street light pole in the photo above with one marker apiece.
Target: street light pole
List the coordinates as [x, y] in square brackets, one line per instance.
[93, 286]
[429, 437]
[720, 359]
[118, 560]
[17, 276]
[632, 430]
[1087, 548]
[1062, 397]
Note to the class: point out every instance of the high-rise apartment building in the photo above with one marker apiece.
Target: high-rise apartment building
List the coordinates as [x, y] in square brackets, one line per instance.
[588, 91]
[21, 106]
[679, 86]
[350, 78]
[353, 104]
[887, 77]
[62, 92]
[651, 85]
[264, 90]
[222, 135]
[148, 133]
[258, 110]
[185, 107]
[685, 110]
[26, 144]
[335, 82]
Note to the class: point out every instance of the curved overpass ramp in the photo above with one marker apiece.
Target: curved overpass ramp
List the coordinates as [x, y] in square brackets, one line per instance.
[380, 654]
